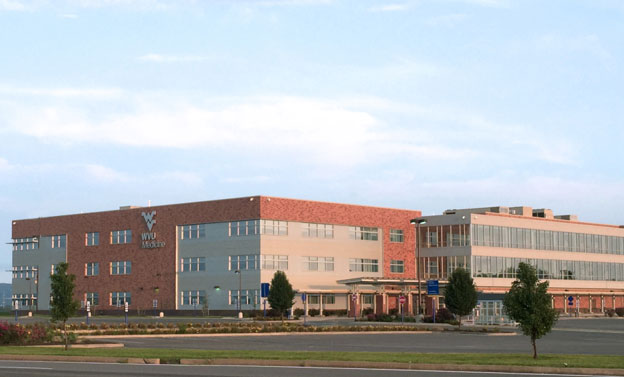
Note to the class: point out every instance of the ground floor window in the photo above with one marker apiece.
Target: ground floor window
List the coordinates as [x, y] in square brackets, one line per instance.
[194, 297]
[120, 298]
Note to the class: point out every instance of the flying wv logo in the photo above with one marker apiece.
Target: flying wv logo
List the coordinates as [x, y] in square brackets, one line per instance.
[149, 219]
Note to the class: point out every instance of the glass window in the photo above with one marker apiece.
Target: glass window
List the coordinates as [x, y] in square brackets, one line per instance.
[363, 233]
[92, 269]
[275, 262]
[193, 298]
[121, 268]
[59, 241]
[363, 265]
[396, 235]
[120, 298]
[93, 298]
[121, 237]
[274, 227]
[397, 266]
[191, 264]
[92, 239]
[193, 231]
[318, 230]
[318, 263]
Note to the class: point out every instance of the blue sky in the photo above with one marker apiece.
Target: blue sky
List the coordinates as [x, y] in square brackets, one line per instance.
[412, 104]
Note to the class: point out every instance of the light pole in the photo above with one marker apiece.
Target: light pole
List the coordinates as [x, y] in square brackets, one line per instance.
[238, 301]
[418, 222]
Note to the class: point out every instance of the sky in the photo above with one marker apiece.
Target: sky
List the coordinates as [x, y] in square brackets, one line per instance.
[424, 104]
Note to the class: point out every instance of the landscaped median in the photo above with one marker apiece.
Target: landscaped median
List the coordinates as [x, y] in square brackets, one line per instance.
[548, 363]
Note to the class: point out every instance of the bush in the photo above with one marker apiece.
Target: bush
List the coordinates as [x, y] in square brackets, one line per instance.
[367, 311]
[620, 312]
[298, 312]
[335, 312]
[444, 316]
[313, 312]
[610, 313]
[393, 311]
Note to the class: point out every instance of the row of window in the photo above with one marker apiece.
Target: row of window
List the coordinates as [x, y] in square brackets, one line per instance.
[498, 236]
[24, 272]
[501, 267]
[115, 268]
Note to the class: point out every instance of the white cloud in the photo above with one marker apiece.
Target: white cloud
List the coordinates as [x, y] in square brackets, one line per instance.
[447, 20]
[159, 58]
[69, 15]
[390, 8]
[4, 165]
[12, 5]
[105, 174]
[94, 93]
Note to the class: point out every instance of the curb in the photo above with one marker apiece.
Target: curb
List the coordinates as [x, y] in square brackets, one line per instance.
[251, 334]
[391, 365]
[328, 363]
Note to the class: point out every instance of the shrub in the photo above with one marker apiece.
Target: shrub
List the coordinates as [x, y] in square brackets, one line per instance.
[620, 312]
[370, 317]
[383, 318]
[444, 315]
[298, 312]
[610, 313]
[314, 312]
[181, 328]
[367, 311]
[393, 311]
[335, 312]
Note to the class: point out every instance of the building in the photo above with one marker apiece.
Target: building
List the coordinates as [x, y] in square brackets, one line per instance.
[583, 262]
[212, 255]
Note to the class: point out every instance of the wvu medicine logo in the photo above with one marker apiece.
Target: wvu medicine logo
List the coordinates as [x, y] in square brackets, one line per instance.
[149, 219]
[148, 239]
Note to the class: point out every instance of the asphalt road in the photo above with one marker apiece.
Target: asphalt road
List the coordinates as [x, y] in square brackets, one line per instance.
[56, 369]
[591, 336]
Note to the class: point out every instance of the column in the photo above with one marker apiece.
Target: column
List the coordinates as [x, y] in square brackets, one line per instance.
[590, 304]
[602, 306]
[320, 304]
[305, 304]
[410, 303]
[385, 303]
[565, 304]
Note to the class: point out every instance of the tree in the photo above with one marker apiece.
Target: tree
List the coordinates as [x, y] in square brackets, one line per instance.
[281, 294]
[63, 304]
[460, 295]
[529, 304]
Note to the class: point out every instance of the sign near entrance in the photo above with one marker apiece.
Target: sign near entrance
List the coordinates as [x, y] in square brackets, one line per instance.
[148, 239]
[354, 297]
[570, 301]
[433, 287]
[402, 300]
[303, 297]
[264, 289]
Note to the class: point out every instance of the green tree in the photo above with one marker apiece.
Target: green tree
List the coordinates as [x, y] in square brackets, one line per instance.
[281, 294]
[63, 304]
[460, 295]
[529, 304]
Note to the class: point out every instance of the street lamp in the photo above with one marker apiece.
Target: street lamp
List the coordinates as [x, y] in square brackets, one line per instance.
[418, 222]
[238, 301]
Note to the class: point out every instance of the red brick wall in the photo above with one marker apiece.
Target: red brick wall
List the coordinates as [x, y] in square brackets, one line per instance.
[346, 214]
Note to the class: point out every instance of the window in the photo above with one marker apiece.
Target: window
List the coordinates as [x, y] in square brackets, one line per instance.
[318, 263]
[193, 264]
[248, 297]
[121, 236]
[318, 230]
[274, 227]
[92, 269]
[92, 239]
[363, 233]
[52, 269]
[194, 231]
[275, 262]
[367, 299]
[396, 235]
[121, 268]
[397, 266]
[120, 298]
[194, 298]
[24, 272]
[93, 298]
[244, 228]
[29, 243]
[363, 265]
[244, 262]
[59, 242]
[328, 298]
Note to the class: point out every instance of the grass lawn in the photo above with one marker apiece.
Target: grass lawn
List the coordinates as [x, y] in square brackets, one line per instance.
[546, 360]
